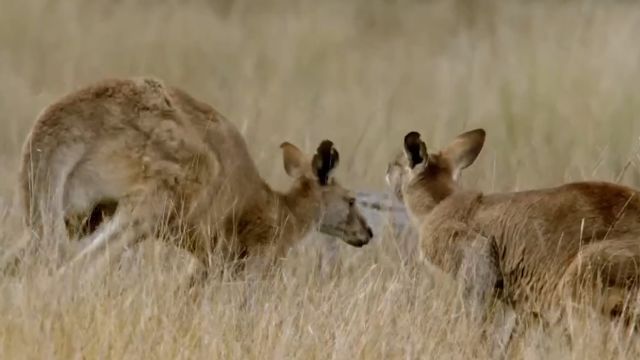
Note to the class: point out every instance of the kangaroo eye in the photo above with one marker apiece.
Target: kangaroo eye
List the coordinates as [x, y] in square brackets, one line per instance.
[352, 201]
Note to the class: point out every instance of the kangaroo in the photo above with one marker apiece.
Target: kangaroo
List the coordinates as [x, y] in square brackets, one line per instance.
[126, 158]
[530, 249]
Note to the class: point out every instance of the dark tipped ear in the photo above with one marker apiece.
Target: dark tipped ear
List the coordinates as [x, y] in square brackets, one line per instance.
[415, 149]
[464, 149]
[325, 161]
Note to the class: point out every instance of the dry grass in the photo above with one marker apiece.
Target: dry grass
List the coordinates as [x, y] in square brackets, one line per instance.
[554, 83]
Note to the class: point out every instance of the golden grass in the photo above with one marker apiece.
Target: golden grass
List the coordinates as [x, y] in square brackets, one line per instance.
[554, 83]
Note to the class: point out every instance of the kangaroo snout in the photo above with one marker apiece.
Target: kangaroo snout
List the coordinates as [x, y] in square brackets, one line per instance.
[365, 240]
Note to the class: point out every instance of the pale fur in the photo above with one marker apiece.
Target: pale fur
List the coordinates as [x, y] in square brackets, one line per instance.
[532, 249]
[173, 165]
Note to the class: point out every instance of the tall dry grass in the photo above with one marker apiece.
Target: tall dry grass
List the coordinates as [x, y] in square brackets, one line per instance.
[554, 83]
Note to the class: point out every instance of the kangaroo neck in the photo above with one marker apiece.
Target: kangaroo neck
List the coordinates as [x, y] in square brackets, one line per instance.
[296, 212]
[460, 207]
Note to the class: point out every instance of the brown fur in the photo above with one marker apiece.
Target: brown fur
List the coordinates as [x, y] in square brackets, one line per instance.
[526, 247]
[168, 160]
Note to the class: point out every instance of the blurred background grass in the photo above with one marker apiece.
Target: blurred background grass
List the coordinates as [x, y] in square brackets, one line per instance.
[555, 84]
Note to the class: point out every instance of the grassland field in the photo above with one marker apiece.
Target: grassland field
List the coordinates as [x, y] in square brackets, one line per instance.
[556, 85]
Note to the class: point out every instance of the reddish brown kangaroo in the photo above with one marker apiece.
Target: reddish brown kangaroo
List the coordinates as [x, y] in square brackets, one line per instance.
[530, 248]
[150, 156]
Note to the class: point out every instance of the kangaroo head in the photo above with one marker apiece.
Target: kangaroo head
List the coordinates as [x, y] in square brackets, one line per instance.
[421, 179]
[337, 212]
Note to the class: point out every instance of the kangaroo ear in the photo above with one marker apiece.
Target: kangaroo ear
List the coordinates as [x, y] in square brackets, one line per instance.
[464, 149]
[325, 161]
[295, 161]
[415, 149]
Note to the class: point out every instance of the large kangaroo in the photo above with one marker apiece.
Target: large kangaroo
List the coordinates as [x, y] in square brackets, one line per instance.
[530, 248]
[124, 158]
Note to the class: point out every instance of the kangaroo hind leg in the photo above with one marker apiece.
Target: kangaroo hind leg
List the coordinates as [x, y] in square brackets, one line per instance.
[136, 217]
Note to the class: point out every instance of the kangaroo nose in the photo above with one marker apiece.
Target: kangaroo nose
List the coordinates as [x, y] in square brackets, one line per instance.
[369, 232]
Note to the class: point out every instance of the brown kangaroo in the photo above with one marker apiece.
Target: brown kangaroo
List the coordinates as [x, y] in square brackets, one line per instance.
[530, 248]
[126, 158]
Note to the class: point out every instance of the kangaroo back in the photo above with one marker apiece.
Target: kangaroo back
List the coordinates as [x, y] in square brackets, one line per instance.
[64, 142]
